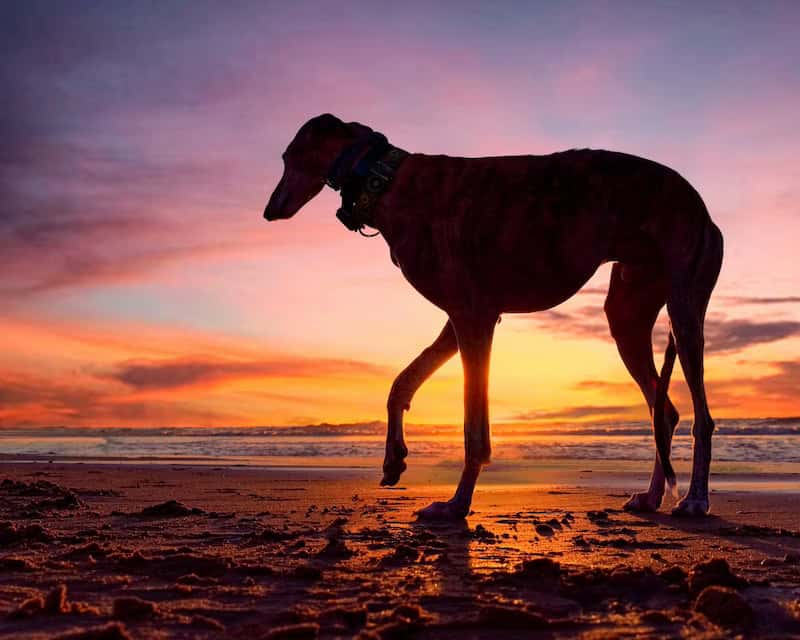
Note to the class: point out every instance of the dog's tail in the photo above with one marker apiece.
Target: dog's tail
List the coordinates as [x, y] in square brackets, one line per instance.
[661, 429]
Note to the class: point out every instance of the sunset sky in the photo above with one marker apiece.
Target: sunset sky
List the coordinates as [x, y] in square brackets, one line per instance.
[139, 142]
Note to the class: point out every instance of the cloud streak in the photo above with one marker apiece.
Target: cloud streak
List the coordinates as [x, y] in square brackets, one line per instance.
[151, 375]
[579, 412]
[723, 335]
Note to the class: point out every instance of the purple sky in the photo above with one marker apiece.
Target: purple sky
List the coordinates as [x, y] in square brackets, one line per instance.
[141, 140]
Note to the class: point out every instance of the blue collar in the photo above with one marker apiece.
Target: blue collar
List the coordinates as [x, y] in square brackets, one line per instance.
[362, 172]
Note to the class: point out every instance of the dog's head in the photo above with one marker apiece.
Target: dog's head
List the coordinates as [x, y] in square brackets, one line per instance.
[306, 163]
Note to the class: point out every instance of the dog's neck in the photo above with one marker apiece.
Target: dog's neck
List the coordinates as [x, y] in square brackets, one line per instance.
[362, 172]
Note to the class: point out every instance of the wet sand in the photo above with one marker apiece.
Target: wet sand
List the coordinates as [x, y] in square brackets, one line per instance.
[151, 551]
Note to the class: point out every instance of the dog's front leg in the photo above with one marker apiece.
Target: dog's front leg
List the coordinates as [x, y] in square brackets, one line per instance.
[475, 344]
[403, 390]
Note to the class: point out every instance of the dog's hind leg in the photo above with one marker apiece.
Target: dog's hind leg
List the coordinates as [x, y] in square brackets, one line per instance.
[475, 344]
[686, 304]
[635, 296]
[403, 390]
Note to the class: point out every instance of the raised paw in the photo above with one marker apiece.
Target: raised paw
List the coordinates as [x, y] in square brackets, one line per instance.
[691, 508]
[394, 464]
[449, 511]
[644, 502]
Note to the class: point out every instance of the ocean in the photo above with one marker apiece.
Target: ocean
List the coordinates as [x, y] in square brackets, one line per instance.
[757, 441]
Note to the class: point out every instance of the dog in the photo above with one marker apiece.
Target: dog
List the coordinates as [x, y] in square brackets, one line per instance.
[479, 237]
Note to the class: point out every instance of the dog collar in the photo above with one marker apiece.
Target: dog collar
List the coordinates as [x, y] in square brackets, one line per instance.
[362, 172]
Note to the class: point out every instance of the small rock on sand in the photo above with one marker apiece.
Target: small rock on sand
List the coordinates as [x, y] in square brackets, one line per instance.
[544, 530]
[724, 606]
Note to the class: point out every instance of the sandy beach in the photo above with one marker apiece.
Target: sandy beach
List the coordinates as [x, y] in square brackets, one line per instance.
[171, 550]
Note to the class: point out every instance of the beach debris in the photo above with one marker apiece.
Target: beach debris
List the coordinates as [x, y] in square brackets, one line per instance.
[724, 606]
[716, 572]
[302, 631]
[113, 631]
[131, 607]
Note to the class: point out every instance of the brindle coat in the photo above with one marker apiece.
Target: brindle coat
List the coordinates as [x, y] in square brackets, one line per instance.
[516, 234]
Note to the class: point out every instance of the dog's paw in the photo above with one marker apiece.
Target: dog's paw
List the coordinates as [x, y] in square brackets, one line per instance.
[392, 473]
[449, 511]
[691, 508]
[644, 502]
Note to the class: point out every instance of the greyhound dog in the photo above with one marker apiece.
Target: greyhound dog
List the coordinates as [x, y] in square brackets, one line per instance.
[479, 237]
